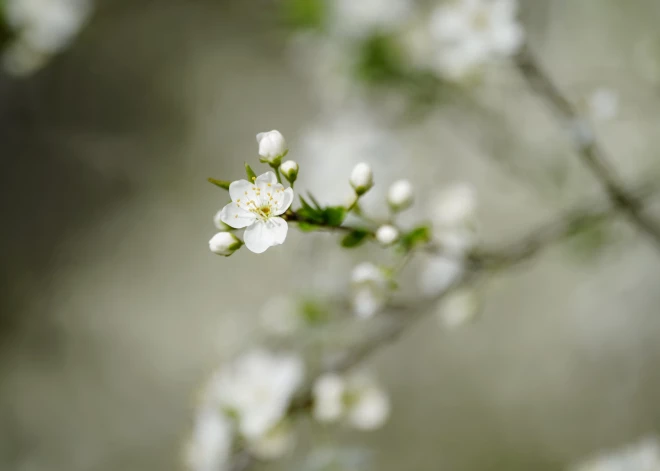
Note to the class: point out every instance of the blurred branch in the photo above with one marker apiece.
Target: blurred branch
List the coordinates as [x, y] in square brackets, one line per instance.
[399, 319]
[588, 149]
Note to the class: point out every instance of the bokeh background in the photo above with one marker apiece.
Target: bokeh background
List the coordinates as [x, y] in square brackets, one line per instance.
[113, 310]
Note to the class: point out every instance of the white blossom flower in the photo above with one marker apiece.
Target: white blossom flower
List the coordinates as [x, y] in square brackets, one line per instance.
[224, 243]
[44, 27]
[274, 444]
[256, 389]
[210, 445]
[387, 234]
[272, 146]
[453, 214]
[355, 398]
[459, 307]
[369, 289]
[400, 195]
[470, 33]
[290, 170]
[364, 17]
[362, 178]
[280, 316]
[604, 104]
[641, 456]
[257, 206]
[438, 274]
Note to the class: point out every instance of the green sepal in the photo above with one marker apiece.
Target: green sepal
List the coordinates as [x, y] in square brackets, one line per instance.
[250, 173]
[417, 236]
[224, 184]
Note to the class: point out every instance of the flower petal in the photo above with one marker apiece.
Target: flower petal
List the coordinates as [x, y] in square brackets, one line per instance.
[265, 178]
[235, 216]
[284, 200]
[278, 228]
[258, 237]
[241, 191]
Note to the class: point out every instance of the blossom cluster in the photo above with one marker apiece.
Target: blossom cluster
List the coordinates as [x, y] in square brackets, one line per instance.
[41, 28]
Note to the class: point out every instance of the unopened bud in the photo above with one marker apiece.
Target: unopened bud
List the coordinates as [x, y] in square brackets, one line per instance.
[224, 243]
[362, 178]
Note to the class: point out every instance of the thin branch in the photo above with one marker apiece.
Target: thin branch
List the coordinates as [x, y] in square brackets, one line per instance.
[588, 149]
[398, 320]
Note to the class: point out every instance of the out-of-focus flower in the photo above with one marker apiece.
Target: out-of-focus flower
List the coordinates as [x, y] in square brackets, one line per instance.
[257, 207]
[642, 456]
[453, 214]
[387, 235]
[458, 308]
[362, 178]
[256, 389]
[364, 17]
[438, 274]
[272, 146]
[280, 316]
[224, 243]
[355, 398]
[43, 27]
[470, 33]
[209, 447]
[370, 288]
[290, 170]
[276, 443]
[604, 104]
[400, 195]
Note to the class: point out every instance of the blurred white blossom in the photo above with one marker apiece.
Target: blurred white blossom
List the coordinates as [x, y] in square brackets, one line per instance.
[275, 443]
[363, 17]
[362, 178]
[257, 388]
[641, 456]
[439, 273]
[471, 33]
[400, 195]
[355, 398]
[453, 215]
[459, 307]
[257, 206]
[370, 289]
[387, 235]
[604, 104]
[43, 28]
[210, 444]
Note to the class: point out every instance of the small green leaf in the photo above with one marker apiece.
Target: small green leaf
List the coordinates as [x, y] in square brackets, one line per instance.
[224, 184]
[419, 235]
[307, 227]
[250, 173]
[334, 215]
[313, 312]
[313, 200]
[354, 238]
[304, 14]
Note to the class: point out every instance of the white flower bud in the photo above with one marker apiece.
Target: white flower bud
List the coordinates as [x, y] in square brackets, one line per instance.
[272, 146]
[459, 308]
[387, 234]
[290, 170]
[224, 243]
[400, 195]
[217, 221]
[362, 178]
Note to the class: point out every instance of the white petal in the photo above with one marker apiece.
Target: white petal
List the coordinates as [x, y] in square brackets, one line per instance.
[260, 136]
[242, 191]
[258, 238]
[507, 39]
[285, 199]
[236, 217]
[264, 179]
[278, 228]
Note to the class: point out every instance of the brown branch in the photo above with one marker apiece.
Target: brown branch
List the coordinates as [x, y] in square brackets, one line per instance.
[398, 320]
[589, 151]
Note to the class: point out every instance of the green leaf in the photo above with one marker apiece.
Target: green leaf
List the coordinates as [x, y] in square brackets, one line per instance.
[334, 215]
[250, 173]
[354, 238]
[314, 312]
[313, 200]
[419, 235]
[304, 14]
[224, 184]
[307, 227]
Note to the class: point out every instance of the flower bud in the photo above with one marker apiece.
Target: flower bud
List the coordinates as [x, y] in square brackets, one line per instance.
[224, 243]
[290, 170]
[362, 178]
[387, 235]
[400, 195]
[272, 146]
